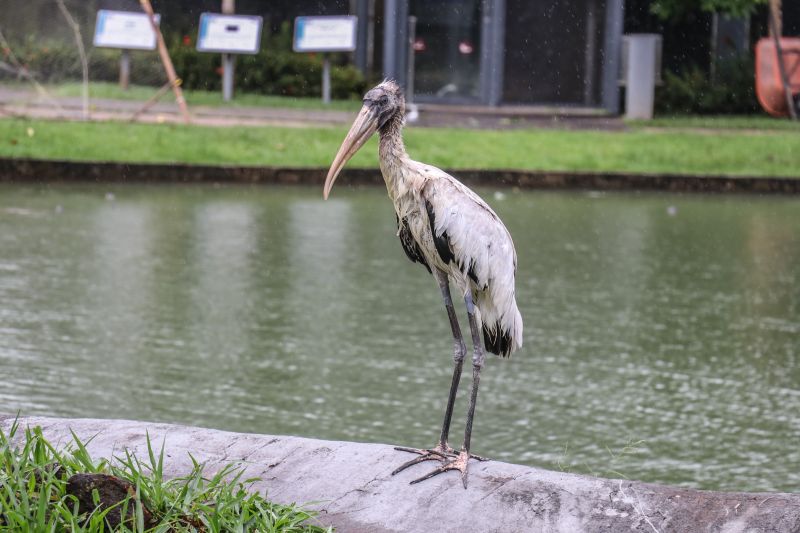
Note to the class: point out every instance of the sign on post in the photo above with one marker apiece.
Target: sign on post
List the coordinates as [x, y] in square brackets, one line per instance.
[229, 34]
[325, 34]
[126, 30]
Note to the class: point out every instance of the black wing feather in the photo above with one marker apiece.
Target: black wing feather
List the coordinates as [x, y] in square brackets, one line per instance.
[410, 246]
[497, 340]
[442, 242]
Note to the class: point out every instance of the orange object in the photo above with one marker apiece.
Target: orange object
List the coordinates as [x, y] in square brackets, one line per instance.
[769, 87]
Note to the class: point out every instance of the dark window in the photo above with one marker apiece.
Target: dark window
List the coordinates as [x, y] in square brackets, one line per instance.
[447, 48]
[552, 51]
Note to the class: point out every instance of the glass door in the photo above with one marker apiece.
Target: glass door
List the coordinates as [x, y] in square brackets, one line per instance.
[447, 50]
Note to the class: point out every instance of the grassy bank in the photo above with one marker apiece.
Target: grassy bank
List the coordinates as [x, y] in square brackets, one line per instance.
[202, 98]
[214, 99]
[737, 153]
[753, 124]
[44, 489]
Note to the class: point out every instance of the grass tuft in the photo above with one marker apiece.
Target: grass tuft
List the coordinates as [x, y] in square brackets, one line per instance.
[33, 493]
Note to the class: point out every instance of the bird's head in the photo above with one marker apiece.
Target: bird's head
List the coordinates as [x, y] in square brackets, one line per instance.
[384, 105]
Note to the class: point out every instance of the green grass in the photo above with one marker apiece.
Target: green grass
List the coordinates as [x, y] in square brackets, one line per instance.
[33, 497]
[733, 122]
[734, 153]
[202, 98]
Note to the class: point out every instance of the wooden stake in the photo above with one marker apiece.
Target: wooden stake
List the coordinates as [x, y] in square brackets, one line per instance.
[774, 28]
[76, 29]
[151, 102]
[776, 12]
[162, 50]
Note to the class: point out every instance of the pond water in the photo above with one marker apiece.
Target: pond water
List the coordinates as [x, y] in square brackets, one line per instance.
[662, 332]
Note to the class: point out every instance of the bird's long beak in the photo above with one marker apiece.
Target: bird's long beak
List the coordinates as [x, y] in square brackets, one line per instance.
[365, 125]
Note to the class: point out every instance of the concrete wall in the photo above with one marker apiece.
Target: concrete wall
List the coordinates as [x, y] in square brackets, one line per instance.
[44, 171]
[354, 491]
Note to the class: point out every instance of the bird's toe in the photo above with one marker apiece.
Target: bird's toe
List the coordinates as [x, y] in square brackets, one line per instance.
[460, 463]
[433, 454]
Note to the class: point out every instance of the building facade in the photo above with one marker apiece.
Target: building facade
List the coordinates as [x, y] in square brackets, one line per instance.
[561, 53]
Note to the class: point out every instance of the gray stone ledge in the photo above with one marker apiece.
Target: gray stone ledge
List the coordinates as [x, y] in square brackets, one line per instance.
[351, 486]
[47, 171]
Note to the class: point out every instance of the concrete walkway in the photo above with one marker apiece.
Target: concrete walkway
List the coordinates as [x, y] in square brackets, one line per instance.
[350, 485]
[16, 101]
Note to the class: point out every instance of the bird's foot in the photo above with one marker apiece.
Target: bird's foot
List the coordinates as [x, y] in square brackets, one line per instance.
[450, 459]
[437, 453]
[460, 463]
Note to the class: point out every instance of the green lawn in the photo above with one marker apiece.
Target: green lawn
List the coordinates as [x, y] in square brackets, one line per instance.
[733, 122]
[214, 99]
[204, 98]
[775, 153]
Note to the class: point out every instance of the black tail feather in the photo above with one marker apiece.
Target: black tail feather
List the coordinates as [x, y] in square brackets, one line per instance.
[497, 340]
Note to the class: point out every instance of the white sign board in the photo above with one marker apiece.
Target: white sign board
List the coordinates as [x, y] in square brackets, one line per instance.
[124, 29]
[325, 34]
[235, 34]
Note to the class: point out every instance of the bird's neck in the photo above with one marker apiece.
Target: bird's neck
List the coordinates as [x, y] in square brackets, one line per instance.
[393, 156]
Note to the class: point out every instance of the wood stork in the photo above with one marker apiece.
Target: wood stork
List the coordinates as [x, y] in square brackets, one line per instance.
[453, 233]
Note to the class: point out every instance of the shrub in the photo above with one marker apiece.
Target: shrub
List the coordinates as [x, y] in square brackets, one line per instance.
[693, 91]
[276, 69]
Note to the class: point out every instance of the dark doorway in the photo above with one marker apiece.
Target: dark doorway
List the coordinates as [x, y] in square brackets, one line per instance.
[553, 51]
[447, 49]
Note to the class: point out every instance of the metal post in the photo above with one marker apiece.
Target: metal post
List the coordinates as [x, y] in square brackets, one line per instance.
[395, 31]
[389, 38]
[362, 12]
[412, 35]
[227, 76]
[125, 69]
[326, 80]
[492, 53]
[370, 37]
[591, 49]
[228, 60]
[612, 42]
[412, 114]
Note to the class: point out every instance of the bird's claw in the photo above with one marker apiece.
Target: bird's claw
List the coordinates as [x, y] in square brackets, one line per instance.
[459, 463]
[440, 453]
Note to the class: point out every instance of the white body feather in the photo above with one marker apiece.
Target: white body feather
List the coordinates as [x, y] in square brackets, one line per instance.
[484, 262]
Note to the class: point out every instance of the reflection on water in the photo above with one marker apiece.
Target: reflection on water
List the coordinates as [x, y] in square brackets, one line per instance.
[662, 331]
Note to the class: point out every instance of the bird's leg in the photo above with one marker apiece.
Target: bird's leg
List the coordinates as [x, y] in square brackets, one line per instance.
[461, 461]
[442, 449]
[459, 352]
